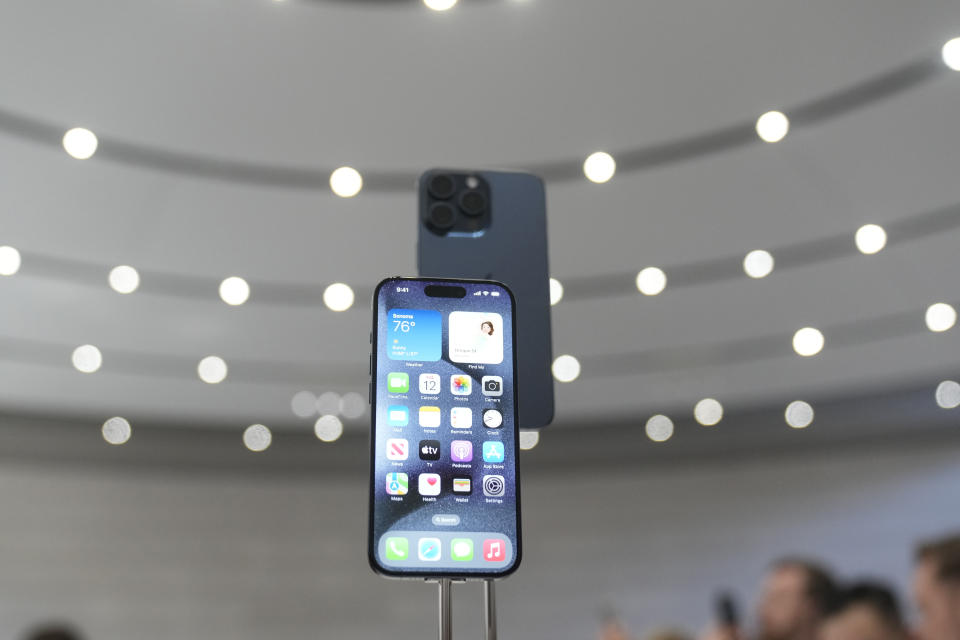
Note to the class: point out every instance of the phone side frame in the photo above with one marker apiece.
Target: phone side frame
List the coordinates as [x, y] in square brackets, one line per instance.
[372, 439]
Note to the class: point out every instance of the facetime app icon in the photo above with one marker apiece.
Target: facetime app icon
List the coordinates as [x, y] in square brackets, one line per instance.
[476, 337]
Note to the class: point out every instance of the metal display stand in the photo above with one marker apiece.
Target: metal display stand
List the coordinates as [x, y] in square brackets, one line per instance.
[489, 610]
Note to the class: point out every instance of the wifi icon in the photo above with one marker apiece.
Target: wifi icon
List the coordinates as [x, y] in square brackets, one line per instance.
[486, 293]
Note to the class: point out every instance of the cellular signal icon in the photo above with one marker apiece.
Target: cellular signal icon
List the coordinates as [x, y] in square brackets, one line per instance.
[476, 293]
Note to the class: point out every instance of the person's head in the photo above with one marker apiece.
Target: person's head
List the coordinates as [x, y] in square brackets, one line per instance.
[865, 611]
[487, 327]
[936, 589]
[53, 632]
[796, 595]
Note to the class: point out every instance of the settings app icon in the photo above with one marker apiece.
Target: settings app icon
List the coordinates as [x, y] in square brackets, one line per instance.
[494, 486]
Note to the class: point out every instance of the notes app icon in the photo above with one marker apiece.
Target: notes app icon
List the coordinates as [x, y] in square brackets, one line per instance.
[494, 550]
[430, 417]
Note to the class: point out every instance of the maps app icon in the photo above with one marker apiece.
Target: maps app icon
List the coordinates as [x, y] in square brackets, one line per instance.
[397, 484]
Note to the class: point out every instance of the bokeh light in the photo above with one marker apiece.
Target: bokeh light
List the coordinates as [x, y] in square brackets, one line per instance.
[566, 368]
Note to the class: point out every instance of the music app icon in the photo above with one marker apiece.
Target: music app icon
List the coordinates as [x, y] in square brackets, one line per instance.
[494, 550]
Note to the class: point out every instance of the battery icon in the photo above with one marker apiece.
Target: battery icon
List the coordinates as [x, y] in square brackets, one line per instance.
[495, 293]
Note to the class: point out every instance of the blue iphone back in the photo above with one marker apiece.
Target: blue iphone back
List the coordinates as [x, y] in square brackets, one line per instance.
[492, 225]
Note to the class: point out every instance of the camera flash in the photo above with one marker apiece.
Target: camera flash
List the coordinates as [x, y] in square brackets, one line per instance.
[472, 182]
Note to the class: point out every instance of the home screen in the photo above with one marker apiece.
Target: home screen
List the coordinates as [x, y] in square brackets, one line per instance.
[444, 489]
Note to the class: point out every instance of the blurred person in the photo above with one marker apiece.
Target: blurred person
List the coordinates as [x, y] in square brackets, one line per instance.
[865, 611]
[667, 634]
[796, 596]
[936, 589]
[53, 632]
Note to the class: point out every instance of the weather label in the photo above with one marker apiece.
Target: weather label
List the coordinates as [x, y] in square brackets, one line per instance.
[413, 334]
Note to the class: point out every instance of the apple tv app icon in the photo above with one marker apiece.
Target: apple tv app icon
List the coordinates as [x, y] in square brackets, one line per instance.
[429, 449]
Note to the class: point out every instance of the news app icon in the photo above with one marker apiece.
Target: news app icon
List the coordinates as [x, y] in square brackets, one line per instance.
[398, 416]
[492, 386]
[461, 451]
[494, 550]
[429, 417]
[397, 484]
[429, 484]
[429, 449]
[398, 382]
[494, 486]
[461, 385]
[397, 449]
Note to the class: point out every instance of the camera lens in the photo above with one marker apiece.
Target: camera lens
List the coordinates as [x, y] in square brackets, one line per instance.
[473, 203]
[441, 186]
[441, 215]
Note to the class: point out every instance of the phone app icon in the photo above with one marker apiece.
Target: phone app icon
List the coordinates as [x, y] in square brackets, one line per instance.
[492, 419]
[397, 449]
[461, 451]
[398, 416]
[494, 486]
[429, 449]
[429, 484]
[492, 386]
[428, 549]
[461, 418]
[494, 550]
[430, 384]
[461, 385]
[397, 548]
[461, 549]
[461, 486]
[397, 484]
[493, 452]
[430, 417]
[398, 382]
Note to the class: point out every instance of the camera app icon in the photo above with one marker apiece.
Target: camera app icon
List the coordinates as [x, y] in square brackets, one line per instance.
[492, 386]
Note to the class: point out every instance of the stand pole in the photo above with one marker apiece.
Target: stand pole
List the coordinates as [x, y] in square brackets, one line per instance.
[489, 611]
[446, 622]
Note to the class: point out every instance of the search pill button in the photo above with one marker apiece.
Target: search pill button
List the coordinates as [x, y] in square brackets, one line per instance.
[446, 520]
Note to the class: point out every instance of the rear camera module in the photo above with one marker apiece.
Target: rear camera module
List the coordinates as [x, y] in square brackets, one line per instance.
[473, 203]
[442, 186]
[442, 216]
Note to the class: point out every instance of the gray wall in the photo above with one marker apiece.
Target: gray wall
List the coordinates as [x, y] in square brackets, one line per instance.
[183, 553]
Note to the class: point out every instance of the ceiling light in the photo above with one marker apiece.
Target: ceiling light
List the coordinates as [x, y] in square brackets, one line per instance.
[951, 54]
[346, 182]
[9, 261]
[870, 238]
[116, 430]
[708, 412]
[529, 439]
[799, 414]
[328, 428]
[353, 405]
[772, 126]
[651, 281]
[758, 263]
[941, 317]
[556, 291]
[948, 394]
[659, 428]
[212, 369]
[439, 5]
[338, 297]
[303, 404]
[328, 402]
[566, 368]
[257, 437]
[599, 167]
[808, 341]
[80, 143]
[124, 279]
[234, 290]
[87, 358]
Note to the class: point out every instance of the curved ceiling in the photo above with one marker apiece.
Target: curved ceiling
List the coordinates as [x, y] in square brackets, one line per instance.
[392, 89]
